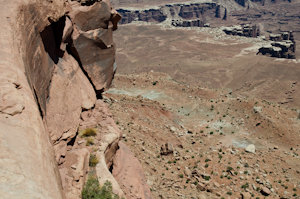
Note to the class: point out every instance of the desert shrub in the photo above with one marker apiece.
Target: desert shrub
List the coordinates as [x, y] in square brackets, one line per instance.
[89, 141]
[181, 175]
[229, 193]
[229, 169]
[93, 160]
[88, 132]
[92, 190]
[207, 178]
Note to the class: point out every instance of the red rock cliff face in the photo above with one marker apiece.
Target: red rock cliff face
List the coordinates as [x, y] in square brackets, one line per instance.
[47, 79]
[27, 165]
[56, 58]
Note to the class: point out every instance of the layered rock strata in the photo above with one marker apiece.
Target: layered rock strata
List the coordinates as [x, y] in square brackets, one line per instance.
[245, 30]
[185, 14]
[283, 45]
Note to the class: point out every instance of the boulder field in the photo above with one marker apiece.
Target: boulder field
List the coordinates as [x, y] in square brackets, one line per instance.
[56, 59]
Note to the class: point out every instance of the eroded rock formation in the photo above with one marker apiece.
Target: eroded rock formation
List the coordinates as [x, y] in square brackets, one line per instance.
[283, 45]
[185, 15]
[245, 30]
[56, 58]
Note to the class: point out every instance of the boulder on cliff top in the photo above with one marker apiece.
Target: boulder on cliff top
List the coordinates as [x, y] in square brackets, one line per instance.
[129, 173]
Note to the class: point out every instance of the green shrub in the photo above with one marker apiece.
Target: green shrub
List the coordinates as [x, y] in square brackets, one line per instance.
[229, 169]
[88, 132]
[181, 175]
[92, 190]
[206, 165]
[229, 193]
[93, 160]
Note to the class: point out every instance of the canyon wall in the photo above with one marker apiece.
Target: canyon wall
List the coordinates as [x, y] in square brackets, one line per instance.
[57, 57]
[176, 12]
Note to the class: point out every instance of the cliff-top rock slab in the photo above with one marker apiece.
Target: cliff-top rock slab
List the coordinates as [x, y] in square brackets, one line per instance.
[93, 45]
[130, 175]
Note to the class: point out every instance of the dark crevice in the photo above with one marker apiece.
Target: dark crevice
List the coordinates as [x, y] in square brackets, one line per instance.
[37, 102]
[87, 2]
[111, 168]
[72, 141]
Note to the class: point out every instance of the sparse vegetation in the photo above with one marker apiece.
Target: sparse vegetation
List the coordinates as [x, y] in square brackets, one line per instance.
[92, 190]
[93, 160]
[229, 193]
[89, 141]
[88, 132]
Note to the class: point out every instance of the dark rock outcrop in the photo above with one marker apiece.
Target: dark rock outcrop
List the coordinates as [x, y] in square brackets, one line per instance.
[245, 30]
[188, 23]
[283, 46]
[151, 15]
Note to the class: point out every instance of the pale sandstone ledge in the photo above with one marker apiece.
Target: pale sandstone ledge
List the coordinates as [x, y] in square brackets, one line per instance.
[45, 96]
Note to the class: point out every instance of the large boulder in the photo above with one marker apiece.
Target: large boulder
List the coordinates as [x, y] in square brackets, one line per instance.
[250, 148]
[93, 44]
[129, 173]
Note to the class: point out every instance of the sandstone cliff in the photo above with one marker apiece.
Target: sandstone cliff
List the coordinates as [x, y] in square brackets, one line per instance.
[57, 57]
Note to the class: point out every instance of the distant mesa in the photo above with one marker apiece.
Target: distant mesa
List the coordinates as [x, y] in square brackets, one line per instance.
[283, 46]
[245, 30]
[180, 15]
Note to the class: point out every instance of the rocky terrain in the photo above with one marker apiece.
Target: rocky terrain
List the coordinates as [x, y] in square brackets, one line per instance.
[207, 117]
[190, 112]
[211, 144]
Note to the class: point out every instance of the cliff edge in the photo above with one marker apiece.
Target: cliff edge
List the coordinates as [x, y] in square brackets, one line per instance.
[57, 57]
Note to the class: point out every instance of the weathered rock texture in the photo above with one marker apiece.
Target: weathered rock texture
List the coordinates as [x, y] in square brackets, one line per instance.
[56, 57]
[128, 172]
[93, 44]
[28, 166]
